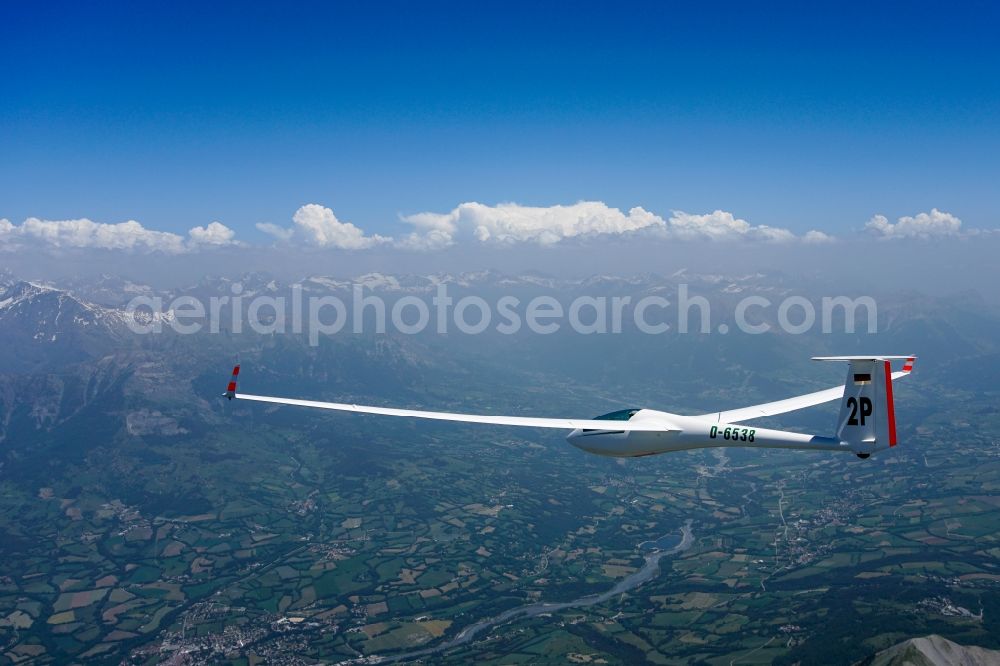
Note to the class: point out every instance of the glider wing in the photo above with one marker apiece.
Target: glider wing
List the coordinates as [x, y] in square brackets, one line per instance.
[524, 421]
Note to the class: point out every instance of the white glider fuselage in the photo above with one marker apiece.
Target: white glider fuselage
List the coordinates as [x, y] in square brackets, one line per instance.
[680, 433]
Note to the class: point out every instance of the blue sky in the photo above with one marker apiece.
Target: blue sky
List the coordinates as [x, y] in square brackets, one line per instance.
[799, 115]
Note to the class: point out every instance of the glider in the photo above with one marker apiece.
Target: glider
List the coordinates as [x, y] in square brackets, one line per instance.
[866, 423]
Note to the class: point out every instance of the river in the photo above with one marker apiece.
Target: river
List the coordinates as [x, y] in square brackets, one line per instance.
[630, 582]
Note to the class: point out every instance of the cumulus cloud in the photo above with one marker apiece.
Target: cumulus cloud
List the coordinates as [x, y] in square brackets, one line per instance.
[817, 237]
[317, 225]
[511, 223]
[83, 233]
[215, 233]
[434, 231]
[934, 224]
[722, 225]
[322, 227]
[431, 239]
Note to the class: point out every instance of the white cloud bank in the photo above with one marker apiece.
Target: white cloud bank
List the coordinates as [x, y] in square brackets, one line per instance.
[509, 223]
[317, 225]
[501, 225]
[87, 234]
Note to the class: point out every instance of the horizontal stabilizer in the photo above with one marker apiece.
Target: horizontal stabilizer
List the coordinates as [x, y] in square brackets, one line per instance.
[809, 399]
[863, 358]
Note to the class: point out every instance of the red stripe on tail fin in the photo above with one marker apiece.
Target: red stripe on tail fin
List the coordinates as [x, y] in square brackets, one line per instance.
[889, 405]
[231, 389]
[908, 366]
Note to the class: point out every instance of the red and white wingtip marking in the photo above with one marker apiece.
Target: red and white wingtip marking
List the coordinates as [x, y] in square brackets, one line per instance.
[908, 365]
[231, 389]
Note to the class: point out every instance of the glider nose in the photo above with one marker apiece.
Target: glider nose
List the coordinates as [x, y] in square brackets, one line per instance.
[589, 441]
[574, 438]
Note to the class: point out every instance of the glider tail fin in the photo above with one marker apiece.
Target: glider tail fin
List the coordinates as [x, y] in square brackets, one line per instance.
[867, 420]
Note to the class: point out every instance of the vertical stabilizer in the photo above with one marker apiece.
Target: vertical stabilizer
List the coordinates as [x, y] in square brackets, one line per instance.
[867, 419]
